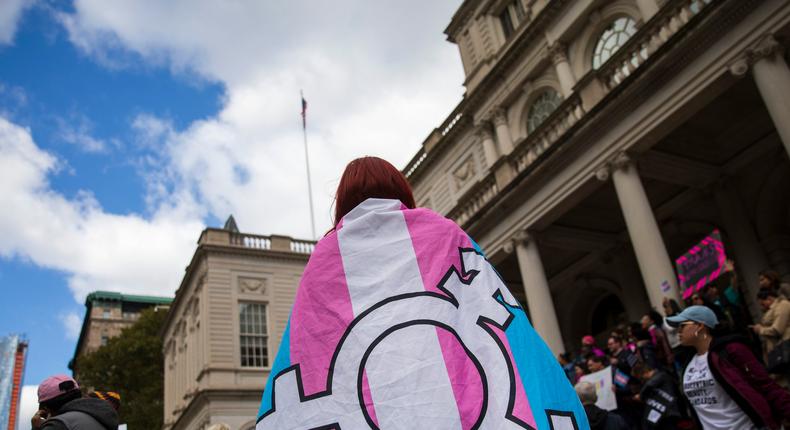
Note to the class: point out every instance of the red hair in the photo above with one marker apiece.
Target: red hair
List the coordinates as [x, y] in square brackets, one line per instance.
[368, 177]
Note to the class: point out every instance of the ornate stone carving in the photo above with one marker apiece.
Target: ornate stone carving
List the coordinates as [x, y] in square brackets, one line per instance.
[499, 116]
[252, 285]
[558, 53]
[739, 68]
[483, 131]
[767, 47]
[464, 173]
[621, 161]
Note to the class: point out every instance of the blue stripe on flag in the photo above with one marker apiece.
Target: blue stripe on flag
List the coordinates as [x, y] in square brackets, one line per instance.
[281, 362]
[544, 381]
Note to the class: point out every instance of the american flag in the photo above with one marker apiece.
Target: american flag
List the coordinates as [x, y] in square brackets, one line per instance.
[304, 113]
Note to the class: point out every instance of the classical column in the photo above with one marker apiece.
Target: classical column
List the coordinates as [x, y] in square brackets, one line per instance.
[559, 58]
[772, 77]
[536, 288]
[651, 254]
[502, 131]
[749, 255]
[487, 139]
[647, 8]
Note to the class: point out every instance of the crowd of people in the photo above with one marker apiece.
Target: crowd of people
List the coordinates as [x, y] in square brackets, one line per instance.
[703, 366]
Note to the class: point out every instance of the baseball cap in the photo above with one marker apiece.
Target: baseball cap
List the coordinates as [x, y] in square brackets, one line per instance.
[55, 386]
[588, 340]
[696, 313]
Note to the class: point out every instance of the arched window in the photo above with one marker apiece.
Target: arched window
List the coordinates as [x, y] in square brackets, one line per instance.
[541, 108]
[613, 37]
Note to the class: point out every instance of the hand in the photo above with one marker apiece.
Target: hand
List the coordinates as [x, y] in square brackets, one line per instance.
[729, 265]
[38, 418]
[755, 328]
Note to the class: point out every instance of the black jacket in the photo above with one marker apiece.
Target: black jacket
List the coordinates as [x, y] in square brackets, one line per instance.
[84, 414]
[661, 397]
[602, 420]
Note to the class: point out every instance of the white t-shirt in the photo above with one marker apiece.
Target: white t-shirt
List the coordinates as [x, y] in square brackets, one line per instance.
[714, 407]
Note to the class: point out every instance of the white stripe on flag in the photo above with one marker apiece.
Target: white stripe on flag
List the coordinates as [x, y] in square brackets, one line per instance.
[407, 374]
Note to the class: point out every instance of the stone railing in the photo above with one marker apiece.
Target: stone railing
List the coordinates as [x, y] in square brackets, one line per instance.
[647, 41]
[542, 138]
[250, 241]
[473, 200]
[216, 236]
[302, 246]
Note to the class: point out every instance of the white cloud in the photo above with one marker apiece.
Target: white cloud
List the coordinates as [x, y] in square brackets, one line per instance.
[72, 323]
[76, 129]
[378, 77]
[28, 405]
[10, 13]
[98, 250]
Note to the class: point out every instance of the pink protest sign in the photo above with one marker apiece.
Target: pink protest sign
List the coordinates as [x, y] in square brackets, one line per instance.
[702, 264]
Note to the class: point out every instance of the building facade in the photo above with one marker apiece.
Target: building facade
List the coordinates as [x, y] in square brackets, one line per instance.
[597, 141]
[225, 325]
[106, 315]
[13, 356]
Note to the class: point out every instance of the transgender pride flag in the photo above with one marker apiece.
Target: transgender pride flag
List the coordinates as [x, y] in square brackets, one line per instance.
[400, 323]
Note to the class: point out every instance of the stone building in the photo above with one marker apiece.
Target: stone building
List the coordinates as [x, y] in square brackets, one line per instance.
[106, 314]
[598, 140]
[224, 327]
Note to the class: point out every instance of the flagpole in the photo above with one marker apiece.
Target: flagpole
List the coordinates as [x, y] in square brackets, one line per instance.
[307, 164]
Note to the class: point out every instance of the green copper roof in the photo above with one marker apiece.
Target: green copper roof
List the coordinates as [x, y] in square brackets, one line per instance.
[109, 295]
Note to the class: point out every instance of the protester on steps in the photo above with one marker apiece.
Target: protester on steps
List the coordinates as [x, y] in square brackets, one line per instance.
[599, 419]
[660, 395]
[61, 407]
[724, 382]
[775, 325]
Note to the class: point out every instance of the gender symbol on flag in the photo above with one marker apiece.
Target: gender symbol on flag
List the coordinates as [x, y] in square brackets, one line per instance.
[464, 311]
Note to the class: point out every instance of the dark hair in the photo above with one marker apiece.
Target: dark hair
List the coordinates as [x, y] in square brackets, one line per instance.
[674, 306]
[596, 359]
[566, 356]
[640, 368]
[655, 316]
[368, 177]
[771, 275]
[766, 293]
[56, 403]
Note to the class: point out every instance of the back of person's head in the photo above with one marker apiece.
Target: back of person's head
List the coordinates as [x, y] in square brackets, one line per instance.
[56, 391]
[370, 177]
[655, 316]
[772, 276]
[640, 369]
[674, 307]
[586, 393]
[597, 359]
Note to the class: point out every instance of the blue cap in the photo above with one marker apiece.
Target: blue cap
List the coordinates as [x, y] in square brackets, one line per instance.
[700, 314]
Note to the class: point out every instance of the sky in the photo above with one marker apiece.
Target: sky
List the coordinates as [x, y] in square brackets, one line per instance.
[127, 127]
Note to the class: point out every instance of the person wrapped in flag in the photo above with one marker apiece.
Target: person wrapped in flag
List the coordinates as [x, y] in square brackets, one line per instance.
[400, 322]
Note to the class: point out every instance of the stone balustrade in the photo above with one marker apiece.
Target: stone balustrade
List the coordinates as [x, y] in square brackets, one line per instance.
[542, 138]
[215, 236]
[648, 40]
[473, 200]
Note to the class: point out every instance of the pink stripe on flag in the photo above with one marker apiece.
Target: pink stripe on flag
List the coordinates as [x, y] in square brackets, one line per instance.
[429, 230]
[321, 313]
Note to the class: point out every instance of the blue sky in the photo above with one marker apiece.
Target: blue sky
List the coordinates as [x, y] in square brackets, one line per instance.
[125, 130]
